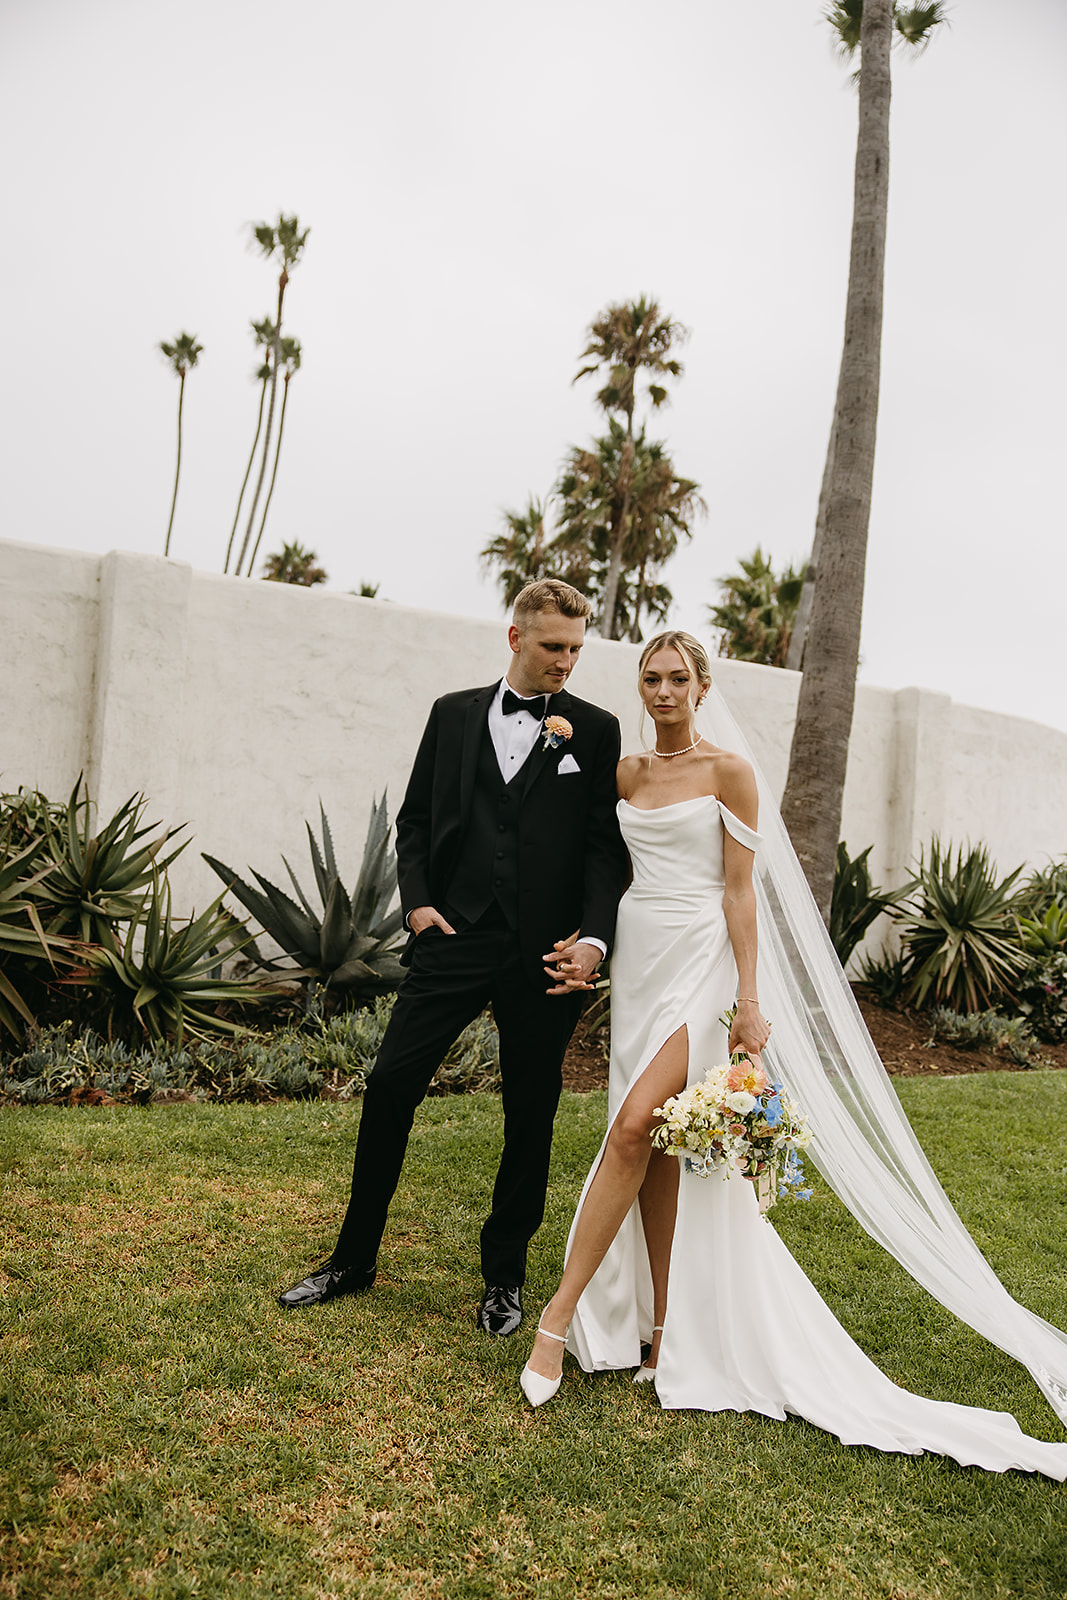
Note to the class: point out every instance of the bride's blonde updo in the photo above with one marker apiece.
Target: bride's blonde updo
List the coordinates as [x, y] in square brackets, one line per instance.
[692, 653]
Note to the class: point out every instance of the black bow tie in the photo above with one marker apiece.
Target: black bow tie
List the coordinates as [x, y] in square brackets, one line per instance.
[535, 706]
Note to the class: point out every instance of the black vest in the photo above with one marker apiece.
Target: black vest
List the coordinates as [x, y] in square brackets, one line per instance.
[488, 865]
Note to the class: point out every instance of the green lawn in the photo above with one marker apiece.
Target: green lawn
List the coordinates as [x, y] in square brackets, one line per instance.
[170, 1432]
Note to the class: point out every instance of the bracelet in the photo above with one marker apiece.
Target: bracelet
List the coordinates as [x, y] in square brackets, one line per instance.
[747, 1000]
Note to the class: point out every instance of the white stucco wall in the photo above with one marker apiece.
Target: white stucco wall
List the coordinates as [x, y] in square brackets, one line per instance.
[236, 706]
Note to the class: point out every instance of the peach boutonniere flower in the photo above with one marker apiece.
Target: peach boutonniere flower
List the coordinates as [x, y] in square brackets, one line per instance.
[557, 731]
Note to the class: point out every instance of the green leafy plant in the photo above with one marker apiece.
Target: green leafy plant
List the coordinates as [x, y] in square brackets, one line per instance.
[26, 949]
[351, 943]
[884, 976]
[1043, 997]
[98, 878]
[1044, 887]
[957, 932]
[856, 903]
[28, 817]
[1043, 936]
[165, 973]
[991, 1030]
[472, 1066]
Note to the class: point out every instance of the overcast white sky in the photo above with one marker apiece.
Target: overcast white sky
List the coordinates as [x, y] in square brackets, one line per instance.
[480, 179]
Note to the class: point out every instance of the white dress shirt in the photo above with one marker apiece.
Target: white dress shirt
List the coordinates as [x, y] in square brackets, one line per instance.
[514, 736]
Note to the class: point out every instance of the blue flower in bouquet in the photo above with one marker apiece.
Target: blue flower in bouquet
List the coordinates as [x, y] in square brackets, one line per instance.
[772, 1111]
[792, 1177]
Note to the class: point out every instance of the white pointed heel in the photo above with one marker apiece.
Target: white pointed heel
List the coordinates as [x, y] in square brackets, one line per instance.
[536, 1388]
[648, 1374]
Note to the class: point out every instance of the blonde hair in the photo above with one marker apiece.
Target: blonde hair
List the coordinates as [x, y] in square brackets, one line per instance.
[691, 651]
[550, 594]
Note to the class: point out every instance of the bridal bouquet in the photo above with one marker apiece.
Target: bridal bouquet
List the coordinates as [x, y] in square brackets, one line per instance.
[737, 1117]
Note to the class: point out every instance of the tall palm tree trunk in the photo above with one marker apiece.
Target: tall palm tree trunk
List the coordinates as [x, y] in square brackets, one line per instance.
[795, 657]
[811, 805]
[178, 467]
[274, 474]
[248, 473]
[282, 281]
[618, 533]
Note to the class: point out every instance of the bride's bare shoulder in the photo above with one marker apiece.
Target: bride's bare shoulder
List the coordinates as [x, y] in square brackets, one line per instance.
[626, 774]
[736, 784]
[730, 765]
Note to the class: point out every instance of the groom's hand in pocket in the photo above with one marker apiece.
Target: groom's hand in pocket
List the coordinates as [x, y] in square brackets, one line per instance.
[424, 917]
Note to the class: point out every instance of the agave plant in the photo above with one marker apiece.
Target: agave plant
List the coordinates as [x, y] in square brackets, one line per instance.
[957, 932]
[24, 944]
[856, 902]
[98, 879]
[166, 973]
[352, 942]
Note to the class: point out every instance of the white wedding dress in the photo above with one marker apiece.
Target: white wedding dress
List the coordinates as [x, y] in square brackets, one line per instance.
[744, 1330]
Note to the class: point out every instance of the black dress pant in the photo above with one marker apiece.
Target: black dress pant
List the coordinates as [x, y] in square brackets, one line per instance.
[451, 979]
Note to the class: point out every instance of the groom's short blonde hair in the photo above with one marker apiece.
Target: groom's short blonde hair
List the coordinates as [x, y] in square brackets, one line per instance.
[550, 594]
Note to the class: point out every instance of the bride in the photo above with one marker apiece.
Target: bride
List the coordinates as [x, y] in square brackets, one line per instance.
[687, 1265]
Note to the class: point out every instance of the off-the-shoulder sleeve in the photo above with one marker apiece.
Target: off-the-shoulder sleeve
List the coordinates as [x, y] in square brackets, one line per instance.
[739, 830]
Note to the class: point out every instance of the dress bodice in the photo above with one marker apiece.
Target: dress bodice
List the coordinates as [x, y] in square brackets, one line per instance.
[680, 847]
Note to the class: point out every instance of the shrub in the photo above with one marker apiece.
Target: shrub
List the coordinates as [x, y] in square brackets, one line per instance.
[957, 932]
[884, 975]
[1044, 997]
[975, 1030]
[1042, 888]
[353, 942]
[856, 903]
[327, 1057]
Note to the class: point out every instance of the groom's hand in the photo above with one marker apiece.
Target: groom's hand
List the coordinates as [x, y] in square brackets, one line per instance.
[572, 965]
[424, 917]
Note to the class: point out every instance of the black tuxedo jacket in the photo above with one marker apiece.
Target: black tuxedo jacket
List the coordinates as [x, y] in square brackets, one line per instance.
[572, 861]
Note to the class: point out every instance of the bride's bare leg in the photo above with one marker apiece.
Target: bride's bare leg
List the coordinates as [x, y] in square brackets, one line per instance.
[612, 1192]
[659, 1208]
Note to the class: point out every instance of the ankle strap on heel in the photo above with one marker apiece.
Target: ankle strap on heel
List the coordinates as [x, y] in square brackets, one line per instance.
[560, 1338]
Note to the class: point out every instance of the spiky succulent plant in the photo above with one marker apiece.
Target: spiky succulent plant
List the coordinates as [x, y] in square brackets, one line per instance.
[352, 943]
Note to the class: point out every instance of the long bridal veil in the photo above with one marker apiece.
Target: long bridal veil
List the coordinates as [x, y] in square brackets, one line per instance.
[864, 1145]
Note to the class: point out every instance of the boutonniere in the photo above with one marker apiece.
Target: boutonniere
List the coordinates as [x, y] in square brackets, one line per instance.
[557, 731]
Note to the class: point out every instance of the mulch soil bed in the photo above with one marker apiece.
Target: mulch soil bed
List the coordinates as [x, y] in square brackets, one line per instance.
[902, 1039]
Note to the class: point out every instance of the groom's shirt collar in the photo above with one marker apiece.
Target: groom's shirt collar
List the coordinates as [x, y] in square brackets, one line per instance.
[514, 736]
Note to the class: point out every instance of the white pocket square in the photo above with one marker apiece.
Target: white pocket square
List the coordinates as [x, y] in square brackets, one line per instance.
[568, 764]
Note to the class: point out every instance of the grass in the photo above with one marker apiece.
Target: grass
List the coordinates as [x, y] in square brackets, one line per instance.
[169, 1432]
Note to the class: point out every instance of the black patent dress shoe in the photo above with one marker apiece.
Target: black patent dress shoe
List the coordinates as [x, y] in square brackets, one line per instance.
[501, 1309]
[326, 1283]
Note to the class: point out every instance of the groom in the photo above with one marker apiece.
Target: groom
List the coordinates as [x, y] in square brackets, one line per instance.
[508, 847]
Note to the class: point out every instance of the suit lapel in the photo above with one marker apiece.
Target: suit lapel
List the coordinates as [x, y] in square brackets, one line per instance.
[473, 728]
[541, 759]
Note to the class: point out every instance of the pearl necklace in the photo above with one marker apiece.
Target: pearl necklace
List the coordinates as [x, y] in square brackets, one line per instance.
[669, 755]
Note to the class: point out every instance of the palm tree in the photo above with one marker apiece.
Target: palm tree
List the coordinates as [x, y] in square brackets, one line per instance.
[264, 337]
[811, 804]
[285, 239]
[913, 27]
[183, 355]
[294, 564]
[756, 611]
[291, 357]
[661, 506]
[521, 554]
[627, 340]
